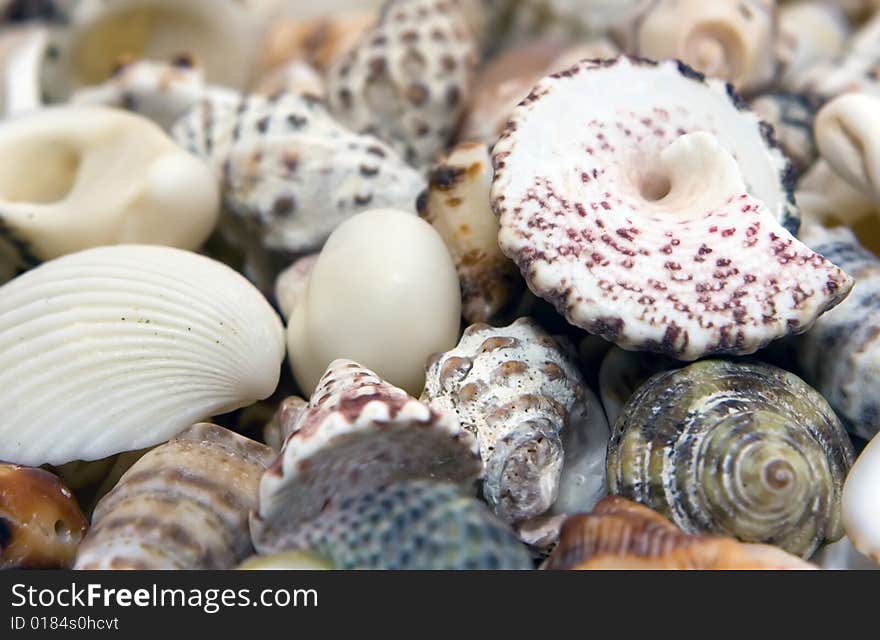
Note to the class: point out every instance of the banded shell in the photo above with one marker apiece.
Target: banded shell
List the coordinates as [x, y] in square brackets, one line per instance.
[541, 432]
[120, 348]
[90, 37]
[289, 173]
[657, 219]
[620, 534]
[63, 187]
[458, 206]
[409, 78]
[41, 524]
[746, 450]
[416, 525]
[184, 505]
[840, 356]
[359, 433]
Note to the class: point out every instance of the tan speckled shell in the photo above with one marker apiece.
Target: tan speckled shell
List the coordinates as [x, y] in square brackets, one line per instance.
[620, 534]
[408, 80]
[523, 397]
[359, 433]
[290, 173]
[184, 505]
[457, 205]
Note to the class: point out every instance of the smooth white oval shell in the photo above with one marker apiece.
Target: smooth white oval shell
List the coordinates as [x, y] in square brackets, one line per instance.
[120, 348]
[860, 502]
[383, 292]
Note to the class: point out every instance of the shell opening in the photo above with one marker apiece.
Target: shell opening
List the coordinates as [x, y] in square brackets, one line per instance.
[715, 49]
[654, 186]
[58, 165]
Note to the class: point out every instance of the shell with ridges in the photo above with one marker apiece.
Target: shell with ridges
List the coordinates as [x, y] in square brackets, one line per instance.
[620, 534]
[660, 224]
[289, 172]
[119, 348]
[458, 206]
[41, 524]
[358, 433]
[746, 450]
[184, 505]
[421, 525]
[523, 397]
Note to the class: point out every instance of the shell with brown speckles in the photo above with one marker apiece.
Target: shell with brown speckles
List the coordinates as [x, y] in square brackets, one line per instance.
[541, 432]
[183, 505]
[40, 521]
[745, 450]
[359, 433]
[457, 205]
[620, 534]
[661, 224]
[408, 79]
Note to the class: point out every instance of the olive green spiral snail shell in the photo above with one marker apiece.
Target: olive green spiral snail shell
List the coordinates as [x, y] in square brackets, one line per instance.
[742, 449]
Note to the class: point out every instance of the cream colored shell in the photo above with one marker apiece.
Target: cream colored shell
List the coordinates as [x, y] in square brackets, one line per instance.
[385, 292]
[810, 32]
[860, 504]
[78, 177]
[120, 348]
[458, 206]
[184, 505]
[824, 198]
[21, 55]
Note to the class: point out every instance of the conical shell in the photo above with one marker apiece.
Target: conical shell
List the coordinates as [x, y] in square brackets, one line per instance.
[658, 217]
[746, 450]
[184, 505]
[41, 524]
[522, 396]
[358, 433]
[120, 348]
[840, 355]
[419, 525]
[620, 534]
[289, 173]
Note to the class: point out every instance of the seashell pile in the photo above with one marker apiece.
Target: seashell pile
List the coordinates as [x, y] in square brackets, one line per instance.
[439, 284]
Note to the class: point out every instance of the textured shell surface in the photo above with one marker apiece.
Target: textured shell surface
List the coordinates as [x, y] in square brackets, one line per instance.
[661, 225]
[745, 450]
[416, 525]
[458, 206]
[840, 355]
[63, 187]
[41, 523]
[183, 505]
[620, 534]
[90, 37]
[726, 40]
[358, 433]
[289, 171]
[119, 348]
[408, 79]
[523, 398]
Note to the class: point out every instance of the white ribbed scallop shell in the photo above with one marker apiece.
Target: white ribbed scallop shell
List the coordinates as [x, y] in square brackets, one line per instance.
[120, 348]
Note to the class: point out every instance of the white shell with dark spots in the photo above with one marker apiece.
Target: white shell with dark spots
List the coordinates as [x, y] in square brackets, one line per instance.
[650, 208]
[289, 172]
[541, 432]
[408, 79]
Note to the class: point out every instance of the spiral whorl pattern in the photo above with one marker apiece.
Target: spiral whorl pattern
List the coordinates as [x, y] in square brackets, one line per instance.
[746, 450]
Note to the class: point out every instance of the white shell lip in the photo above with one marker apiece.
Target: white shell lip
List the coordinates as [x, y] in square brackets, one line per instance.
[119, 348]
[860, 501]
[75, 177]
[631, 282]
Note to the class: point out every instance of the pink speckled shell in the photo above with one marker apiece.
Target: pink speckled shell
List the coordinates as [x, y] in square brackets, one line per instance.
[729, 280]
[359, 433]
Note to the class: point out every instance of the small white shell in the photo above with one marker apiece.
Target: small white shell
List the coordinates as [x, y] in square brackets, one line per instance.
[78, 177]
[120, 348]
[860, 502]
[810, 32]
[21, 54]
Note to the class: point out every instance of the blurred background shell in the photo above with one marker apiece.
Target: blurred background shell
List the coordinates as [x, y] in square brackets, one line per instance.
[183, 505]
[745, 450]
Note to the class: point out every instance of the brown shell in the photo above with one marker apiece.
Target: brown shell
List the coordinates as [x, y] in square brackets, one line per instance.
[184, 505]
[620, 534]
[40, 521]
